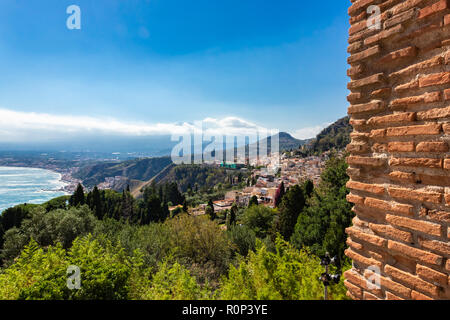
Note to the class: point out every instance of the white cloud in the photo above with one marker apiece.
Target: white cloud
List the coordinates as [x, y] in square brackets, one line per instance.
[31, 126]
[309, 132]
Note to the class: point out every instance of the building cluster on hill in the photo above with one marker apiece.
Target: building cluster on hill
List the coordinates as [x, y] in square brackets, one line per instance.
[292, 171]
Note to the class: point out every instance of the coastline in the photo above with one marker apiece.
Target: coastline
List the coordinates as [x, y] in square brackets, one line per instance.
[65, 177]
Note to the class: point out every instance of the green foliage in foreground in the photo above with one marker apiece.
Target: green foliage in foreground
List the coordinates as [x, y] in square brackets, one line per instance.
[286, 274]
[107, 272]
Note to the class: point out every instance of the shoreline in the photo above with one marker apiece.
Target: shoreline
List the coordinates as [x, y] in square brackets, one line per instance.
[70, 183]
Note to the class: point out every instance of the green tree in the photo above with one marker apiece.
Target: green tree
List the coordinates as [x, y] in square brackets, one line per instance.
[321, 225]
[253, 201]
[290, 208]
[259, 219]
[77, 199]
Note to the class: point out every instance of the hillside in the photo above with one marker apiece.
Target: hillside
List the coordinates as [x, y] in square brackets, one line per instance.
[336, 136]
[138, 169]
[288, 142]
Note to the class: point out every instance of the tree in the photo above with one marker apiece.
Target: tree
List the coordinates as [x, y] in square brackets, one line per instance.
[185, 207]
[97, 206]
[77, 199]
[253, 201]
[232, 216]
[210, 210]
[279, 194]
[290, 208]
[259, 219]
[308, 188]
[321, 225]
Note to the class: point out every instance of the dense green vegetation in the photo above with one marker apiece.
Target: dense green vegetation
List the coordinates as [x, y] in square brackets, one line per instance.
[130, 248]
[201, 183]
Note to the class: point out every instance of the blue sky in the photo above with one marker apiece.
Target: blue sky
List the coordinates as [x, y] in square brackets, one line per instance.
[276, 63]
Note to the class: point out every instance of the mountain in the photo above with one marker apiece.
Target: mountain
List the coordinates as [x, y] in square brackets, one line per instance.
[137, 169]
[336, 136]
[288, 142]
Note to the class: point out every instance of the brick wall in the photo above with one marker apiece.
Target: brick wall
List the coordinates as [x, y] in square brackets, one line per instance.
[399, 163]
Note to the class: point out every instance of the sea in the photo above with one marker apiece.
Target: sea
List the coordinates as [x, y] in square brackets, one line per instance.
[28, 185]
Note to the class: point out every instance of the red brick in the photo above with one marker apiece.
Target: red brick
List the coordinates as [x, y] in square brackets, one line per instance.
[369, 296]
[419, 296]
[357, 6]
[363, 55]
[417, 225]
[418, 67]
[436, 180]
[447, 91]
[395, 287]
[400, 18]
[361, 259]
[447, 164]
[414, 253]
[382, 35]
[357, 147]
[436, 246]
[391, 296]
[366, 161]
[416, 162]
[369, 238]
[355, 70]
[371, 80]
[354, 245]
[438, 7]
[381, 93]
[373, 106]
[355, 199]
[431, 275]
[402, 176]
[393, 118]
[429, 97]
[355, 290]
[432, 147]
[352, 97]
[401, 146]
[358, 280]
[379, 133]
[414, 84]
[376, 189]
[415, 195]
[427, 129]
[415, 282]
[408, 52]
[434, 79]
[433, 114]
[391, 232]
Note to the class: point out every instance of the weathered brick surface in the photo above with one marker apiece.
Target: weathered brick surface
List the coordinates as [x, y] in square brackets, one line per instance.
[399, 162]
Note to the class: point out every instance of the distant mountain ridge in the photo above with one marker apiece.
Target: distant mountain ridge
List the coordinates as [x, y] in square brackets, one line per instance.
[335, 136]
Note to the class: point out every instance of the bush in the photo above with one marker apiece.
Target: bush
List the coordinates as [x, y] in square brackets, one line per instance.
[106, 273]
[243, 238]
[201, 245]
[174, 282]
[259, 219]
[286, 274]
[46, 229]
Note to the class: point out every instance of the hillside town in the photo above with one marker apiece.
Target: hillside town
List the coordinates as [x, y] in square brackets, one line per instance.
[291, 170]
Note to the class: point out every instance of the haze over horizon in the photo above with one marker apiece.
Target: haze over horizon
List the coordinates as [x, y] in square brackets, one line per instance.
[151, 68]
